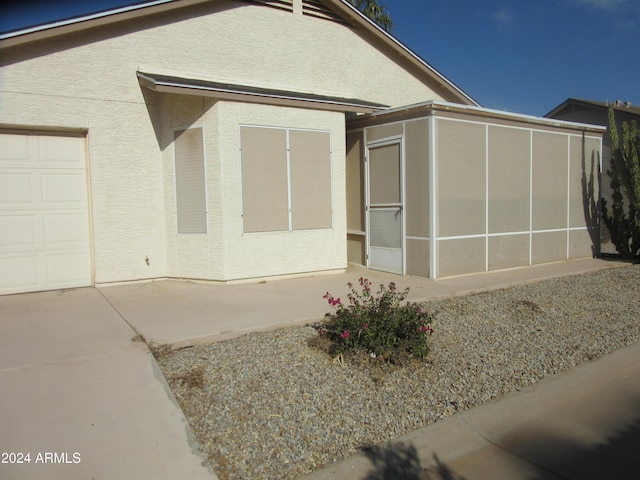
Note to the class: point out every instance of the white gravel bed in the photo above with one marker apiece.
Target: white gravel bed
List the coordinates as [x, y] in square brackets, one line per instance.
[268, 406]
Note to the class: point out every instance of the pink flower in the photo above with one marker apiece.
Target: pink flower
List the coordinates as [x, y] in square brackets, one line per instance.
[365, 284]
[426, 329]
[332, 301]
[345, 334]
[322, 332]
[365, 326]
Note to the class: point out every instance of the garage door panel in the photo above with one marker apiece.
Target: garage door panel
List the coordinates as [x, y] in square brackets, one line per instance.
[14, 151]
[19, 273]
[16, 189]
[66, 230]
[67, 269]
[19, 231]
[63, 188]
[44, 213]
[61, 152]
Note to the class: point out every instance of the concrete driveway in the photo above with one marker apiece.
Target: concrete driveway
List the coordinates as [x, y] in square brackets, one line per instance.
[83, 397]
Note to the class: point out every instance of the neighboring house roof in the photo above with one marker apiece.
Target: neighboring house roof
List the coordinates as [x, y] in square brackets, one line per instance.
[339, 10]
[572, 104]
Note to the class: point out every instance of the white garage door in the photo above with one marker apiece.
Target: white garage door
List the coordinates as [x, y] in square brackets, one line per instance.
[44, 219]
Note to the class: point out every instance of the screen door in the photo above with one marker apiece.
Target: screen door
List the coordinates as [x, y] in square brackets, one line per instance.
[384, 207]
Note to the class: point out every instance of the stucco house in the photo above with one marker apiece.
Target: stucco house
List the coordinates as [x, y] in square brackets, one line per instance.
[209, 140]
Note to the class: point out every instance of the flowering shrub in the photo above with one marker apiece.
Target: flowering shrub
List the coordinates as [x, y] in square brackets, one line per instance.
[379, 325]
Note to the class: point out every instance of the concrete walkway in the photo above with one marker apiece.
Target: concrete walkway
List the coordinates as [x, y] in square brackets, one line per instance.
[185, 313]
[83, 394]
[83, 398]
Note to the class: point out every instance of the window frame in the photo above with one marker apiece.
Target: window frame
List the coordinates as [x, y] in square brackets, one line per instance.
[289, 178]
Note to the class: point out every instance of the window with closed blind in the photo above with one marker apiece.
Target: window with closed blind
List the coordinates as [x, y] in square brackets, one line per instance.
[286, 179]
[191, 197]
[265, 196]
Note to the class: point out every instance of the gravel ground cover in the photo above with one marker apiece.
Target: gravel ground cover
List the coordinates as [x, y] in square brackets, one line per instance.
[269, 406]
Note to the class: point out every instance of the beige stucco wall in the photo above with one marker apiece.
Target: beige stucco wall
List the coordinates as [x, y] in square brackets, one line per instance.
[254, 45]
[226, 252]
[126, 181]
[188, 255]
[87, 81]
[247, 255]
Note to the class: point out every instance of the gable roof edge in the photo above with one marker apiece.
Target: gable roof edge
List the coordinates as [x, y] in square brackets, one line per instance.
[67, 25]
[356, 15]
[342, 7]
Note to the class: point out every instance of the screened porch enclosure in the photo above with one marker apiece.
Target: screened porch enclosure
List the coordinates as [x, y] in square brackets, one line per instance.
[477, 190]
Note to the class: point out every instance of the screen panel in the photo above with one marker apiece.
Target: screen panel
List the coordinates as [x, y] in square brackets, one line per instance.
[265, 196]
[191, 198]
[461, 168]
[509, 184]
[310, 157]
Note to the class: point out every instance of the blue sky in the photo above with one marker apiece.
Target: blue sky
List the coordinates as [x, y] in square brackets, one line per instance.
[515, 55]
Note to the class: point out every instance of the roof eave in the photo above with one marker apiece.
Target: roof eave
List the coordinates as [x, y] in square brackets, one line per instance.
[436, 105]
[79, 23]
[238, 93]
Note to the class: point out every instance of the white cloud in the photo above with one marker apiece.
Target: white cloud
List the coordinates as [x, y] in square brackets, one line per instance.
[503, 16]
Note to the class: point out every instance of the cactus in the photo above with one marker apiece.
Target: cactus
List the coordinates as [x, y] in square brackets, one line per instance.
[624, 221]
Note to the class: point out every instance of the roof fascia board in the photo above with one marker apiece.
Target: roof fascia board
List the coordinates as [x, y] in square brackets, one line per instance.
[436, 105]
[83, 22]
[355, 15]
[269, 98]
